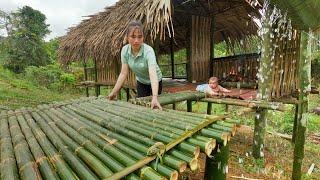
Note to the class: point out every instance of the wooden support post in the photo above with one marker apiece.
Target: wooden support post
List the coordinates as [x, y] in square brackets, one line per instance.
[189, 105]
[96, 78]
[174, 106]
[217, 167]
[304, 87]
[209, 108]
[85, 76]
[264, 80]
[128, 94]
[259, 133]
[172, 58]
[226, 108]
[188, 48]
[295, 123]
[212, 46]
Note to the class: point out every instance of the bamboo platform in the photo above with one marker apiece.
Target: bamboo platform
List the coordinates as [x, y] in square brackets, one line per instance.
[93, 138]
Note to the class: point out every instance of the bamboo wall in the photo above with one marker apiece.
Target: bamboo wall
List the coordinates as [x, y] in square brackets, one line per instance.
[107, 74]
[245, 66]
[284, 72]
[200, 48]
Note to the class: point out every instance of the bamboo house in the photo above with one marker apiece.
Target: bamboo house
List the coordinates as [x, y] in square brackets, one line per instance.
[280, 69]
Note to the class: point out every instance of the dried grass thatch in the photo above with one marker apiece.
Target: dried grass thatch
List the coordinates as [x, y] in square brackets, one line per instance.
[102, 35]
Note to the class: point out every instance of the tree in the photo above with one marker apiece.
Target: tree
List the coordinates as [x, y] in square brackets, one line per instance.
[26, 46]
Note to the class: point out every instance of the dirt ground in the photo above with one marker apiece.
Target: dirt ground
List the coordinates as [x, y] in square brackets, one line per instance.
[278, 153]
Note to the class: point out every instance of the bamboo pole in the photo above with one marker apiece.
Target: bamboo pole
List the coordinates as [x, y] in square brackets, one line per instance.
[304, 88]
[90, 159]
[46, 169]
[264, 83]
[8, 165]
[167, 171]
[63, 169]
[249, 104]
[25, 161]
[77, 165]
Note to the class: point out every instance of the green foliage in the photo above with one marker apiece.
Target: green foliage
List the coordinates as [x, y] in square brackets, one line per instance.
[51, 77]
[52, 48]
[315, 69]
[25, 45]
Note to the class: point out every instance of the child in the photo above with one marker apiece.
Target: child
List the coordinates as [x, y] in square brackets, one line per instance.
[213, 88]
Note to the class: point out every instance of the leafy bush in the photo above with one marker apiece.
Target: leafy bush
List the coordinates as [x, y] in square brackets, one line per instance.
[315, 69]
[50, 76]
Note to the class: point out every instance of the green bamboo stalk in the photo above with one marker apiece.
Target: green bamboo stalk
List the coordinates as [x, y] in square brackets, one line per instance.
[223, 128]
[155, 114]
[107, 147]
[147, 173]
[205, 146]
[107, 132]
[63, 169]
[221, 138]
[189, 148]
[95, 128]
[206, 139]
[175, 163]
[46, 169]
[8, 166]
[225, 123]
[167, 171]
[121, 127]
[91, 161]
[25, 161]
[135, 128]
[193, 162]
[76, 164]
[176, 126]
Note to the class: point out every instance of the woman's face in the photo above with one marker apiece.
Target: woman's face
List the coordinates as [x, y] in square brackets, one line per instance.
[135, 38]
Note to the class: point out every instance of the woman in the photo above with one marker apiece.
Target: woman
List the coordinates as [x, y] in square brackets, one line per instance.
[141, 59]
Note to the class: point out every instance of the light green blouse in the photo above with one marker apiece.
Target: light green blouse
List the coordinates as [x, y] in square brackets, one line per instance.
[140, 64]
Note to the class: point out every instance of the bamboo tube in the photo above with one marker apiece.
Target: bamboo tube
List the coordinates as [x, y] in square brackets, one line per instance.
[114, 127]
[63, 169]
[8, 162]
[108, 148]
[193, 162]
[77, 165]
[123, 139]
[175, 163]
[44, 165]
[92, 161]
[250, 104]
[25, 161]
[205, 146]
[151, 129]
[158, 114]
[147, 173]
[189, 148]
[233, 121]
[226, 124]
[221, 138]
[167, 171]
[206, 139]
[223, 128]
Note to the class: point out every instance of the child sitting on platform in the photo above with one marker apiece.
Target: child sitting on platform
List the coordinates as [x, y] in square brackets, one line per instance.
[213, 88]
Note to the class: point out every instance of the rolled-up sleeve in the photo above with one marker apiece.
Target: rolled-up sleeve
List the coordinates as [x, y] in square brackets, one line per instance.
[151, 58]
[124, 59]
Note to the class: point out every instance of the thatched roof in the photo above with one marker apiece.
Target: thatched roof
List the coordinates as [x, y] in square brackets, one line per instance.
[102, 35]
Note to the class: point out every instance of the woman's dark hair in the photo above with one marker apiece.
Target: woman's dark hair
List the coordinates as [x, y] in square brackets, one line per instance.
[133, 25]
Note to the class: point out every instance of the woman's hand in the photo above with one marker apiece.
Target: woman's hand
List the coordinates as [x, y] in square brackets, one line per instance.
[112, 96]
[155, 103]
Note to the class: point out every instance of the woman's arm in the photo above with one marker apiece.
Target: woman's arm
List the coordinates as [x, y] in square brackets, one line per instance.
[122, 77]
[155, 87]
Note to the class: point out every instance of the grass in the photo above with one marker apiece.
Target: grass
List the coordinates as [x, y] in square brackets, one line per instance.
[16, 92]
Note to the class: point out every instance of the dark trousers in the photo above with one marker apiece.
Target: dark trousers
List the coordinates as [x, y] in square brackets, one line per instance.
[146, 90]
